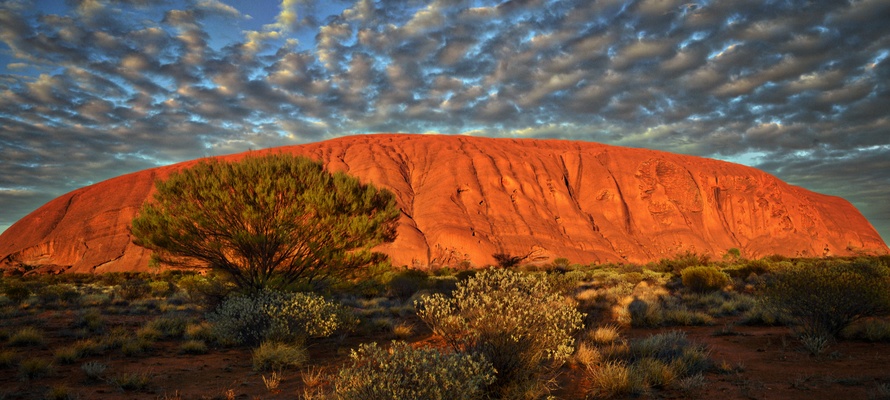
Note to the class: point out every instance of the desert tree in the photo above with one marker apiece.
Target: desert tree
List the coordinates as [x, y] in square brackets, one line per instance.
[265, 220]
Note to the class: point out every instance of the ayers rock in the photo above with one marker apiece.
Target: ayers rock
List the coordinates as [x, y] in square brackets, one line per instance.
[466, 198]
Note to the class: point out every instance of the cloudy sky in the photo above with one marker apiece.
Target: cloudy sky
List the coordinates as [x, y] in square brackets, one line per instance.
[92, 89]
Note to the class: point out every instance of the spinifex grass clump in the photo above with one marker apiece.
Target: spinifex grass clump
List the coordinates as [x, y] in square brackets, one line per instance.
[403, 372]
[514, 320]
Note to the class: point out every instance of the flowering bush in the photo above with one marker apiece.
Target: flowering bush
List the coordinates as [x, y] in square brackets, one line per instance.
[403, 372]
[251, 319]
[515, 320]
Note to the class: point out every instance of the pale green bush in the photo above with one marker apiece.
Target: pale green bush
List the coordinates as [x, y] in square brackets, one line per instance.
[403, 372]
[825, 297]
[251, 319]
[704, 278]
[515, 320]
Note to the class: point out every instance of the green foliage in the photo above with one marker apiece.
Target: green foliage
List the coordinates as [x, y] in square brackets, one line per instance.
[704, 278]
[34, 367]
[137, 381]
[871, 330]
[404, 284]
[682, 261]
[133, 289]
[270, 220]
[168, 326]
[93, 370]
[403, 372]
[275, 356]
[27, 336]
[659, 360]
[826, 296]
[55, 293]
[253, 318]
[16, 292]
[515, 320]
[193, 347]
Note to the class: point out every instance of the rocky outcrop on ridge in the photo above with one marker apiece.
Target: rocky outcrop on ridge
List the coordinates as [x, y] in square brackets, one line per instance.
[466, 198]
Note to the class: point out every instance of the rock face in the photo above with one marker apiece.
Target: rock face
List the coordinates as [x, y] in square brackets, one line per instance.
[465, 198]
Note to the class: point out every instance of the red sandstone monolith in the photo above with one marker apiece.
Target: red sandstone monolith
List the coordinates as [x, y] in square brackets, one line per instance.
[466, 198]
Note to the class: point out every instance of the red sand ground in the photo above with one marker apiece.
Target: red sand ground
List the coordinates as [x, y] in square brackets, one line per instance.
[770, 364]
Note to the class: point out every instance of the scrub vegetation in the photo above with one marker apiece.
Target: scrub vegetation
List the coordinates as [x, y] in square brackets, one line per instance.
[531, 331]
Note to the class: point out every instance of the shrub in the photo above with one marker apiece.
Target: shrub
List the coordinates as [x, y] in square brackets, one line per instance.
[603, 335]
[133, 289]
[54, 293]
[406, 283]
[135, 347]
[402, 372]
[161, 288]
[33, 368]
[131, 381]
[251, 319]
[27, 336]
[193, 347]
[93, 370]
[704, 278]
[66, 355]
[516, 321]
[168, 326]
[825, 297]
[8, 358]
[59, 393]
[871, 330]
[276, 356]
[91, 319]
[614, 378]
[16, 292]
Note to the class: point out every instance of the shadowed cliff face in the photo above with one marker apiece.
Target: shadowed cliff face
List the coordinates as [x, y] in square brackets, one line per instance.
[465, 198]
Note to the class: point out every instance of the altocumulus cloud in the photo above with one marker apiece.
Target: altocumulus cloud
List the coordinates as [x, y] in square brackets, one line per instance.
[92, 89]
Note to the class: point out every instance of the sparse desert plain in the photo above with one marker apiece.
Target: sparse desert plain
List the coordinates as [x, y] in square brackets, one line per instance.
[147, 335]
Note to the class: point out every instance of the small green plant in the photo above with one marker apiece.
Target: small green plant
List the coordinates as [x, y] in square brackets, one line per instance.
[603, 335]
[93, 370]
[704, 278]
[403, 330]
[16, 292]
[8, 358]
[199, 331]
[277, 356]
[168, 326]
[66, 355]
[193, 347]
[59, 392]
[91, 319]
[612, 379]
[135, 347]
[33, 368]
[403, 372]
[131, 381]
[27, 336]
[815, 344]
[871, 330]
